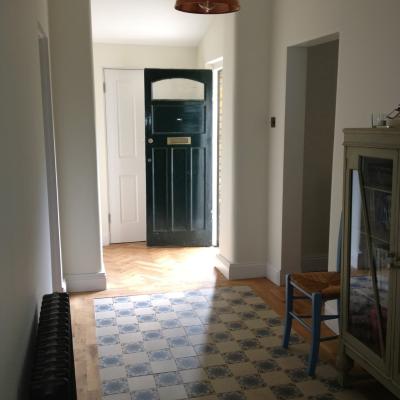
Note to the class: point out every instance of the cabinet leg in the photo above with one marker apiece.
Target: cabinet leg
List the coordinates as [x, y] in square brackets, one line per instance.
[344, 364]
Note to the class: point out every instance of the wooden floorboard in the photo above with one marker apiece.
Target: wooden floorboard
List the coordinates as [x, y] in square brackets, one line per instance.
[135, 269]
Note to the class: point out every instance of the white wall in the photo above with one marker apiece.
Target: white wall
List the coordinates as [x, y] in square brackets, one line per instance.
[243, 41]
[135, 57]
[24, 236]
[72, 79]
[367, 81]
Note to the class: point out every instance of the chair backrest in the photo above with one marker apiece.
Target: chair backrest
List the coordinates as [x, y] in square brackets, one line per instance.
[340, 245]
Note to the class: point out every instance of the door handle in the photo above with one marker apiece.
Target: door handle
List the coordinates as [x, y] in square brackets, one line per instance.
[150, 141]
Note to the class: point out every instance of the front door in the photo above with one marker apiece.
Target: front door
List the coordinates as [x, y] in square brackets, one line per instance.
[178, 106]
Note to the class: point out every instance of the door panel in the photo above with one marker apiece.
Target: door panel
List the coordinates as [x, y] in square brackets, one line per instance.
[178, 152]
[126, 154]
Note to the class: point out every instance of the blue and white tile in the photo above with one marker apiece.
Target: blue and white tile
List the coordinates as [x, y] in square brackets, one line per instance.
[142, 304]
[218, 372]
[285, 392]
[147, 394]
[254, 323]
[138, 369]
[144, 311]
[107, 340]
[162, 309]
[127, 312]
[172, 393]
[166, 316]
[193, 375]
[111, 361]
[112, 350]
[120, 396]
[128, 328]
[107, 330]
[235, 357]
[199, 389]
[188, 363]
[105, 300]
[160, 302]
[199, 339]
[178, 341]
[168, 379]
[141, 383]
[123, 306]
[105, 314]
[229, 317]
[248, 382]
[195, 330]
[170, 324]
[228, 347]
[210, 360]
[146, 318]
[149, 326]
[190, 321]
[215, 328]
[182, 306]
[196, 299]
[242, 369]
[153, 335]
[115, 386]
[131, 337]
[135, 358]
[108, 374]
[153, 345]
[160, 355]
[127, 320]
[224, 385]
[99, 308]
[132, 347]
[184, 351]
[104, 322]
[159, 367]
[257, 355]
[168, 333]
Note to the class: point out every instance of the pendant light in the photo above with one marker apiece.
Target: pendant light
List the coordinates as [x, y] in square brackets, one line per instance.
[207, 6]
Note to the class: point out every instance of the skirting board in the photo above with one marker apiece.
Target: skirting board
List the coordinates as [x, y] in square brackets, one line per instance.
[86, 282]
[274, 275]
[239, 271]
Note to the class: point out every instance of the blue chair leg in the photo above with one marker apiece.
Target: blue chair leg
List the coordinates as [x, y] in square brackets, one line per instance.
[315, 333]
[289, 309]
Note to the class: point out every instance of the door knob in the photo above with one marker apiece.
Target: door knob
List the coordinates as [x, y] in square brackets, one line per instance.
[150, 141]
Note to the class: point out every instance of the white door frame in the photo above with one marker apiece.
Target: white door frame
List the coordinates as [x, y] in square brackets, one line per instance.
[58, 281]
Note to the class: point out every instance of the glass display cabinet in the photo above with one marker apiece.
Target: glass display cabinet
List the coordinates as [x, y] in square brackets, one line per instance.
[370, 307]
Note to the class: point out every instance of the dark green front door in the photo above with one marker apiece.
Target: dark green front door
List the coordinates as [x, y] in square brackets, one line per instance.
[178, 157]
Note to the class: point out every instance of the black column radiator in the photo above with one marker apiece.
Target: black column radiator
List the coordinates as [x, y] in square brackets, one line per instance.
[53, 375]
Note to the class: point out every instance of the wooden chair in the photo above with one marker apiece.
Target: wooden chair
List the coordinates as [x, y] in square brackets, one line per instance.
[318, 287]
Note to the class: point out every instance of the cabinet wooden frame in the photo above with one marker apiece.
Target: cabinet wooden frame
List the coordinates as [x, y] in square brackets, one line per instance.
[381, 144]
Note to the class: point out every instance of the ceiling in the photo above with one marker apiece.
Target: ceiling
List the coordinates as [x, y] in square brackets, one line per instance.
[146, 22]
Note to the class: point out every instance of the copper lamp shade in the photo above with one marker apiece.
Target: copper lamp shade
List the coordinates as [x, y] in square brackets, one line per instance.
[207, 6]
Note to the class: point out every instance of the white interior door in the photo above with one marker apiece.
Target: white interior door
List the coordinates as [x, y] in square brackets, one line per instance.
[126, 154]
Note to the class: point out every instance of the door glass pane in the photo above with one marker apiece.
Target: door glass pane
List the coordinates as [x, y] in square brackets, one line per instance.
[371, 194]
[177, 89]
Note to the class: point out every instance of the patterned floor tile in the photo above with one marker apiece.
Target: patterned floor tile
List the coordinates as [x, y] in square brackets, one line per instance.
[193, 375]
[172, 393]
[208, 344]
[141, 383]
[115, 386]
[224, 385]
[199, 389]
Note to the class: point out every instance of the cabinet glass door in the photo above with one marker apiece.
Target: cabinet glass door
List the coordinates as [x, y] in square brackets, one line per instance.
[371, 187]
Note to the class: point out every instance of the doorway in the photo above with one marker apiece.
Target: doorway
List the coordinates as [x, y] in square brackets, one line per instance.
[309, 133]
[175, 207]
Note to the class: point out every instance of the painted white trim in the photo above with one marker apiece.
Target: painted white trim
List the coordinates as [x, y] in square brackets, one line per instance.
[86, 282]
[313, 263]
[239, 271]
[274, 274]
